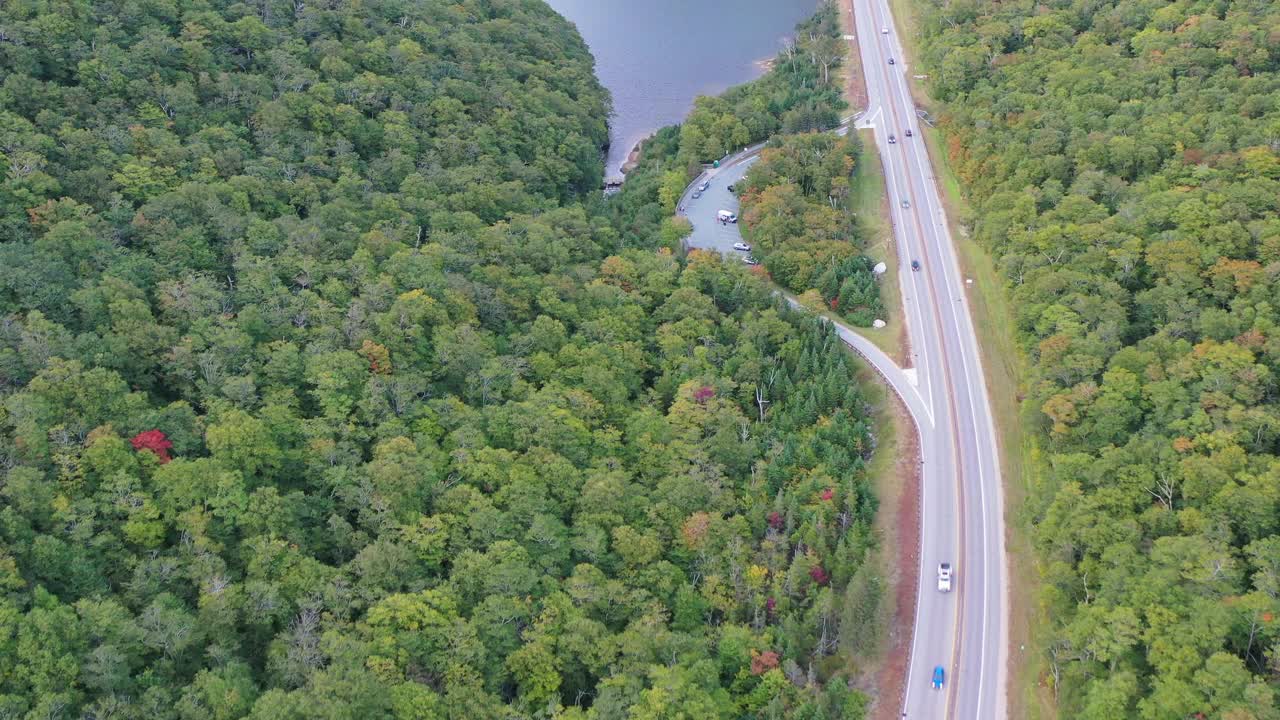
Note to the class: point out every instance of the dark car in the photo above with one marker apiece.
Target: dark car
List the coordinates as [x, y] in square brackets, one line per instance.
[908, 132]
[730, 188]
[892, 139]
[915, 265]
[890, 61]
[939, 676]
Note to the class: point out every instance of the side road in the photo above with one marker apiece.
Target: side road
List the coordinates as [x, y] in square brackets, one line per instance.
[710, 234]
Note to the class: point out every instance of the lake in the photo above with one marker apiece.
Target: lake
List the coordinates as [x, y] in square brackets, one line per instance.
[656, 56]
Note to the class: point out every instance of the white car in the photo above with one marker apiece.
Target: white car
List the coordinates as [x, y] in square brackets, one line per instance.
[703, 187]
[750, 260]
[884, 31]
[742, 246]
[725, 216]
[944, 577]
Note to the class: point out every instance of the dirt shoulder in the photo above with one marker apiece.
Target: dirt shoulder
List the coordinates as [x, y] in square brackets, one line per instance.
[896, 467]
[855, 85]
[898, 524]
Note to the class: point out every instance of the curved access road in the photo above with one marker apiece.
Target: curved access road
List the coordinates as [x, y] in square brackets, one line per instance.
[965, 631]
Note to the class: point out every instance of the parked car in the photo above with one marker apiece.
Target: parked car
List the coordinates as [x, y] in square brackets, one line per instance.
[696, 194]
[742, 246]
[939, 677]
[750, 260]
[890, 61]
[725, 216]
[944, 577]
[915, 265]
[906, 203]
[703, 187]
[908, 132]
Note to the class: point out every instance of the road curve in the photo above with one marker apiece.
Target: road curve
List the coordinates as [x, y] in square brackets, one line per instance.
[962, 509]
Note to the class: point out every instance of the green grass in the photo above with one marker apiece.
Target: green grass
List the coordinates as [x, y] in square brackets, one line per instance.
[873, 212]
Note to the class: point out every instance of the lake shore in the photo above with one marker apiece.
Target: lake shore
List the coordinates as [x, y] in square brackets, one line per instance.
[633, 157]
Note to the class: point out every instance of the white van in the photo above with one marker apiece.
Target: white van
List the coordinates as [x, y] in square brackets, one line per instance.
[726, 216]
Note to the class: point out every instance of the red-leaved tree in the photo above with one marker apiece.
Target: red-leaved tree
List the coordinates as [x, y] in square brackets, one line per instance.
[155, 441]
[819, 575]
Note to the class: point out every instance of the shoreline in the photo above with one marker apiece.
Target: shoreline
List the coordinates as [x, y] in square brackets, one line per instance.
[633, 156]
[616, 177]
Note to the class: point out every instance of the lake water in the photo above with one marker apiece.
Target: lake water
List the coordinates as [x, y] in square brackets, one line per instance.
[656, 56]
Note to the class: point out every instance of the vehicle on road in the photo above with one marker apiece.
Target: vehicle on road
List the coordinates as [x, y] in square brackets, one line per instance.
[906, 203]
[890, 61]
[908, 132]
[696, 194]
[892, 139]
[705, 184]
[750, 260]
[742, 246]
[884, 31]
[944, 577]
[915, 265]
[939, 677]
[725, 216]
[730, 188]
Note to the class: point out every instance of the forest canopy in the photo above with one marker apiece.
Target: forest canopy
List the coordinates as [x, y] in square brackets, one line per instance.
[332, 389]
[1124, 164]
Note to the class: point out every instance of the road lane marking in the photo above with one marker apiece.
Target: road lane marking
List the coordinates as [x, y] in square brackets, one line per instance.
[968, 342]
[956, 453]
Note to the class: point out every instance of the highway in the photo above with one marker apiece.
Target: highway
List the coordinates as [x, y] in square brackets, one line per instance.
[964, 631]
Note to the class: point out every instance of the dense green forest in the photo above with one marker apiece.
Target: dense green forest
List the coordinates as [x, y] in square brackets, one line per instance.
[801, 94]
[795, 205]
[795, 200]
[1124, 163]
[332, 388]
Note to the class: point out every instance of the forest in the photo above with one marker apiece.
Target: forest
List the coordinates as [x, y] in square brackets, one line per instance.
[330, 386]
[1123, 162]
[796, 207]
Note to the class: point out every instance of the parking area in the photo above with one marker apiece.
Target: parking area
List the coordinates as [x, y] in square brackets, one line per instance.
[708, 232]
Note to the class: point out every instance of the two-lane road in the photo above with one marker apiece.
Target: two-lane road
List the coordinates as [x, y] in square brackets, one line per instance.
[964, 631]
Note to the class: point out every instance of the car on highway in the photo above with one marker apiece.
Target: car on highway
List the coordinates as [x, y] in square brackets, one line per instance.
[890, 61]
[742, 246]
[892, 139]
[939, 677]
[908, 132]
[696, 194]
[884, 31]
[944, 577]
[750, 260]
[915, 265]
[906, 203]
[703, 187]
